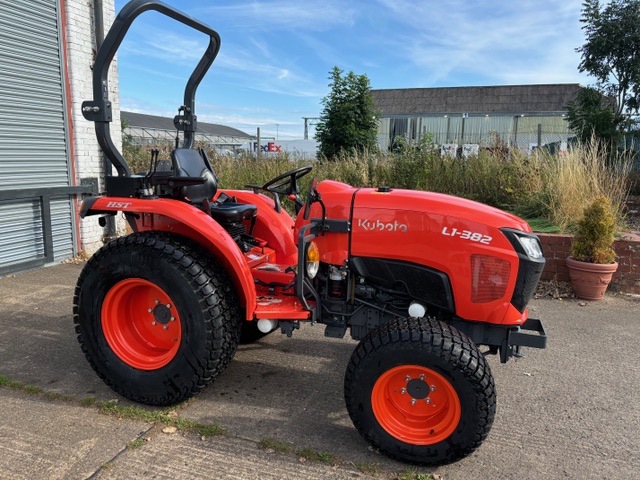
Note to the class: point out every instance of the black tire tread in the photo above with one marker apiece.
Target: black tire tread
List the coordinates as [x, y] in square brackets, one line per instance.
[206, 277]
[449, 344]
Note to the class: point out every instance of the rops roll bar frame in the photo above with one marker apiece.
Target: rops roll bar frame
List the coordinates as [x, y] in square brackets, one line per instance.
[98, 110]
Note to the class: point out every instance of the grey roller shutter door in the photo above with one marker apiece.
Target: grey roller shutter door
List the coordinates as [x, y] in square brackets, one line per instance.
[33, 138]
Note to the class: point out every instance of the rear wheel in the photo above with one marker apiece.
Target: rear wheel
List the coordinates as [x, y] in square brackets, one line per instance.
[157, 317]
[420, 391]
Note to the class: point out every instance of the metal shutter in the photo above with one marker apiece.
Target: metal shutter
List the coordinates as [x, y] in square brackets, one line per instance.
[33, 139]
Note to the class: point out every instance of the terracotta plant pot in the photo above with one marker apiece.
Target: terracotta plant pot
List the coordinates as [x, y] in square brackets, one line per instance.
[590, 280]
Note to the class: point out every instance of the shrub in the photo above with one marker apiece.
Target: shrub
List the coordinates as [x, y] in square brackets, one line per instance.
[593, 241]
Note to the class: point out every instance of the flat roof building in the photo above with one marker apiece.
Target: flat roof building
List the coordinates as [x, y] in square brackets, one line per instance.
[522, 116]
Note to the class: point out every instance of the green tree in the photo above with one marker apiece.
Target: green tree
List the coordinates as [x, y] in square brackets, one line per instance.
[348, 121]
[589, 114]
[611, 53]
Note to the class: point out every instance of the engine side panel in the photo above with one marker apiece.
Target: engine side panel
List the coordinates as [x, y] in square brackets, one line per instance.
[421, 228]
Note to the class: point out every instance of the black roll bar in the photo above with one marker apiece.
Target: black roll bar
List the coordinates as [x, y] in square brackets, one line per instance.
[98, 110]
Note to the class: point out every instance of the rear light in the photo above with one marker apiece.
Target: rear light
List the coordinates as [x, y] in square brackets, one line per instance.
[489, 277]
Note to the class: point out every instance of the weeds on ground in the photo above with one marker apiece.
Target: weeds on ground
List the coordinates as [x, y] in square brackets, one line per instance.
[160, 416]
[275, 445]
[137, 443]
[413, 475]
[311, 455]
[368, 468]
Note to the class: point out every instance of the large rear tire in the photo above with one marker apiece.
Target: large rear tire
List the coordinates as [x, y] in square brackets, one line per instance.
[157, 317]
[420, 391]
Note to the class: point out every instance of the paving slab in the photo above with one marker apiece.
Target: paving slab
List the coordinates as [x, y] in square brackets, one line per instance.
[176, 457]
[43, 439]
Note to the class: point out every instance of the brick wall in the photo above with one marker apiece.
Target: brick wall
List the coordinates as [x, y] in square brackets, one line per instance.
[557, 247]
[80, 56]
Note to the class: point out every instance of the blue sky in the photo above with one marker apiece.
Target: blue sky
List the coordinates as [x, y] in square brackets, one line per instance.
[276, 55]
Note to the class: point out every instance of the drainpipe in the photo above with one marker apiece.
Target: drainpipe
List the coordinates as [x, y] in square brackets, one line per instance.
[98, 21]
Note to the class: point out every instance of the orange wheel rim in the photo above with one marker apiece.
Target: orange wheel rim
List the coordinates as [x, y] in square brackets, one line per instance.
[416, 405]
[141, 324]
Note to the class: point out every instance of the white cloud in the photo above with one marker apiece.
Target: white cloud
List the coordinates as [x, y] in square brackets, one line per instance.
[289, 14]
[506, 41]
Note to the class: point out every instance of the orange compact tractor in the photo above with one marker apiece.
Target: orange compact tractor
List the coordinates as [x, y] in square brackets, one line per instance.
[420, 279]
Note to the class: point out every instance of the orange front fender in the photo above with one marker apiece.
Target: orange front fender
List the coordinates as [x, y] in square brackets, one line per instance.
[183, 219]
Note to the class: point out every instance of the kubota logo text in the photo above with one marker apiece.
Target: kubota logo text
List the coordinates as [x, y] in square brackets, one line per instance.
[370, 225]
[118, 204]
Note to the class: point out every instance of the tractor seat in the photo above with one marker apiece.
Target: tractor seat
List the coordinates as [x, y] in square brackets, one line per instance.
[225, 210]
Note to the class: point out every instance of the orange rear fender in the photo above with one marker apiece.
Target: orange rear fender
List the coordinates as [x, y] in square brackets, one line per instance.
[181, 218]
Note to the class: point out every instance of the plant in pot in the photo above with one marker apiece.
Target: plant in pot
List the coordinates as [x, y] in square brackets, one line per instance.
[592, 260]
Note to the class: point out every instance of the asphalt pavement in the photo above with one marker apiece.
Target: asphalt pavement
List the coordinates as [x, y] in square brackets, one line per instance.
[570, 411]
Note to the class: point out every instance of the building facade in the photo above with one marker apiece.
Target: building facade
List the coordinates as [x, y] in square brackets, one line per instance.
[49, 156]
[152, 130]
[518, 116]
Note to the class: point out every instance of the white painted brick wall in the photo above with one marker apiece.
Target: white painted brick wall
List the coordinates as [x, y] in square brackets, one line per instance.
[80, 57]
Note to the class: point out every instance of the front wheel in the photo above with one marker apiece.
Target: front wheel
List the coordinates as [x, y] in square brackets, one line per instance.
[157, 317]
[420, 391]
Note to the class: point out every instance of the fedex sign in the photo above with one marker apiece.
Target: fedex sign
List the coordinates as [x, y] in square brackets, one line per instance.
[269, 147]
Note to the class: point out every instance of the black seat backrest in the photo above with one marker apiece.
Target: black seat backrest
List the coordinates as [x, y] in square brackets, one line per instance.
[189, 163]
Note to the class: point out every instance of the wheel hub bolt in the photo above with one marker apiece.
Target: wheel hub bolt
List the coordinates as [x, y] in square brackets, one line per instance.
[166, 327]
[403, 391]
[407, 378]
[153, 323]
[150, 310]
[157, 302]
[168, 305]
[173, 318]
[428, 400]
[422, 377]
[413, 402]
[433, 388]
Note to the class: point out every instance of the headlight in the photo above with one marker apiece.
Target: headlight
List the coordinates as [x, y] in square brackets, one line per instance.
[531, 246]
[524, 243]
[313, 260]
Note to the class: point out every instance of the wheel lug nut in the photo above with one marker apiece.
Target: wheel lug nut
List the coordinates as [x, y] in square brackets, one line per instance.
[403, 391]
[153, 323]
[166, 327]
[433, 388]
[422, 377]
[173, 318]
[428, 400]
[168, 305]
[150, 310]
[157, 302]
[413, 402]
[407, 378]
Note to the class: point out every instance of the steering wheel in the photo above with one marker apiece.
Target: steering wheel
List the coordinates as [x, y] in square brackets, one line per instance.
[285, 184]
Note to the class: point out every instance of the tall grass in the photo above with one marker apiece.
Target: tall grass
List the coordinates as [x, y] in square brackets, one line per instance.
[576, 179]
[556, 188]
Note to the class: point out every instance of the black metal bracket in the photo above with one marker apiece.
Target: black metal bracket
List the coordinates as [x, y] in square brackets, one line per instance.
[508, 339]
[333, 226]
[303, 285]
[90, 183]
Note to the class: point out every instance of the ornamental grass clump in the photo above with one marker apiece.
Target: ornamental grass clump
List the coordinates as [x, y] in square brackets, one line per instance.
[593, 242]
